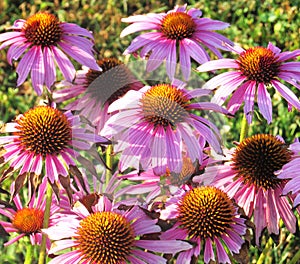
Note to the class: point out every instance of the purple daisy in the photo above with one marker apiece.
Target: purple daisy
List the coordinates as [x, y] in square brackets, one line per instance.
[109, 235]
[290, 171]
[179, 28]
[206, 217]
[250, 178]
[44, 40]
[96, 90]
[44, 138]
[28, 221]
[256, 70]
[156, 124]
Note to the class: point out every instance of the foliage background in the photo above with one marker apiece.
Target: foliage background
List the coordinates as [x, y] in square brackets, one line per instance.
[253, 22]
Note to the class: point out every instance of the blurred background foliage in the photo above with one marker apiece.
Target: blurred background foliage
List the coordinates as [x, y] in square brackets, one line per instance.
[253, 22]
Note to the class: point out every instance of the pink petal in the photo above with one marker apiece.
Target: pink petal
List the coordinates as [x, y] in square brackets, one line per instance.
[17, 40]
[70, 28]
[226, 89]
[158, 153]
[218, 64]
[173, 150]
[51, 171]
[73, 257]
[49, 65]
[157, 56]
[139, 26]
[10, 35]
[15, 51]
[272, 215]
[249, 101]
[151, 18]
[290, 66]
[161, 246]
[223, 79]
[140, 41]
[38, 71]
[264, 102]
[25, 65]
[221, 253]
[185, 61]
[64, 64]
[237, 98]
[14, 240]
[145, 227]
[208, 251]
[193, 148]
[81, 55]
[210, 24]
[195, 50]
[171, 60]
[286, 93]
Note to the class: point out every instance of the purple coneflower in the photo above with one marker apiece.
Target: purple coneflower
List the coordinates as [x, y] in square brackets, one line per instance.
[256, 70]
[208, 218]
[180, 29]
[28, 221]
[109, 235]
[44, 138]
[157, 123]
[250, 178]
[44, 40]
[290, 171]
[96, 90]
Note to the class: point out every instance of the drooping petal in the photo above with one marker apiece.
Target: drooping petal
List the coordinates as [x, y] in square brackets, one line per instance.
[49, 65]
[64, 64]
[38, 71]
[286, 93]
[249, 101]
[25, 65]
[80, 55]
[264, 102]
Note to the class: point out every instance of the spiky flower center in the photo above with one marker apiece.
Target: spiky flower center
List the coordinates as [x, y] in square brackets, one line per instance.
[42, 29]
[28, 220]
[206, 212]
[44, 130]
[164, 105]
[178, 25]
[258, 157]
[105, 237]
[184, 176]
[113, 82]
[259, 64]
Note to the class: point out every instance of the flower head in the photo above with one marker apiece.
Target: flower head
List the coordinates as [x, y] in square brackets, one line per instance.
[177, 28]
[109, 235]
[44, 138]
[256, 70]
[250, 178]
[44, 40]
[97, 89]
[290, 171]
[157, 123]
[206, 216]
[28, 220]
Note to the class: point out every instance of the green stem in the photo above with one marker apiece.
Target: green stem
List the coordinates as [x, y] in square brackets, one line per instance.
[265, 251]
[42, 256]
[29, 254]
[244, 129]
[109, 163]
[296, 257]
